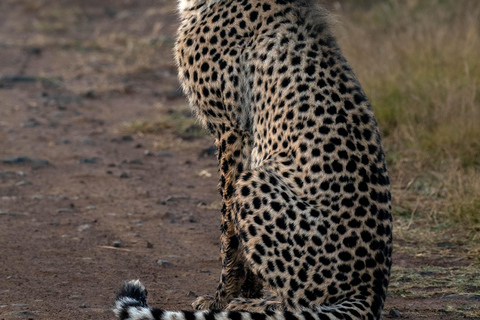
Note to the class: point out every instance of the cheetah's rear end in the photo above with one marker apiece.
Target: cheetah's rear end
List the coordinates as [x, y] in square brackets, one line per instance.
[306, 200]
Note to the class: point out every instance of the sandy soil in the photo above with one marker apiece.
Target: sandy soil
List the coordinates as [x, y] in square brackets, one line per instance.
[86, 202]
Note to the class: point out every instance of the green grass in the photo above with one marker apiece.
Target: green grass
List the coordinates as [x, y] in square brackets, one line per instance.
[178, 123]
[418, 62]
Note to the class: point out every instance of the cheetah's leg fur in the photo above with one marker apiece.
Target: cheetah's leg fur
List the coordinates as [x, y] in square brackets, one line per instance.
[236, 278]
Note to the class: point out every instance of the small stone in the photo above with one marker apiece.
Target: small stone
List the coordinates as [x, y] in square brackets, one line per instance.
[210, 151]
[445, 244]
[87, 141]
[7, 175]
[204, 173]
[149, 245]
[91, 207]
[37, 197]
[21, 174]
[66, 141]
[24, 183]
[136, 161]
[124, 175]
[161, 202]
[35, 163]
[163, 263]
[192, 294]
[39, 163]
[117, 244]
[62, 210]
[148, 153]
[83, 305]
[164, 154]
[88, 160]
[127, 138]
[84, 227]
[394, 313]
[139, 146]
[90, 94]
[31, 123]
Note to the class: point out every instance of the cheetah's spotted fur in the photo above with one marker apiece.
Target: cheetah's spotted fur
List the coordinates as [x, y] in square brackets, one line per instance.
[306, 200]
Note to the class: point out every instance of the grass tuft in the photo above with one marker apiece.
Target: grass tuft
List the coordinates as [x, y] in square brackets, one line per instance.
[418, 63]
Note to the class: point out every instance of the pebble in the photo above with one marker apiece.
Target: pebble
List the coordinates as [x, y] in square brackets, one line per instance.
[163, 263]
[88, 160]
[149, 245]
[90, 94]
[87, 141]
[127, 138]
[84, 227]
[394, 313]
[124, 175]
[445, 244]
[117, 244]
[64, 210]
[210, 151]
[24, 183]
[192, 294]
[91, 207]
[37, 197]
[164, 154]
[31, 123]
[34, 162]
[7, 175]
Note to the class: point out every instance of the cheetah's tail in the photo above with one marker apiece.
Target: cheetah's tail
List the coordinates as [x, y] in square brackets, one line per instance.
[131, 304]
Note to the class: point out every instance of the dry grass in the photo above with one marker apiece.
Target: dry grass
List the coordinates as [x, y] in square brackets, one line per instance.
[182, 123]
[434, 281]
[418, 62]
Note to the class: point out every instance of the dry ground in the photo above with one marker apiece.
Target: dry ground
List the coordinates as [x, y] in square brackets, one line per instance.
[129, 189]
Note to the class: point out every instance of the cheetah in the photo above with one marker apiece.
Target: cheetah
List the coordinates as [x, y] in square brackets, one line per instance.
[306, 196]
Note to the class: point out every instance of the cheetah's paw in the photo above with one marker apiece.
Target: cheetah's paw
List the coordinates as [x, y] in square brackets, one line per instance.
[207, 303]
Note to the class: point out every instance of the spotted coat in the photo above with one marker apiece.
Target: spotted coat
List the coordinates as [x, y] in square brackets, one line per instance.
[306, 200]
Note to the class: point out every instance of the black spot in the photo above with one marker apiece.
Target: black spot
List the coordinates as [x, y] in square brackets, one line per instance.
[265, 188]
[345, 256]
[280, 222]
[257, 203]
[310, 70]
[276, 206]
[302, 275]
